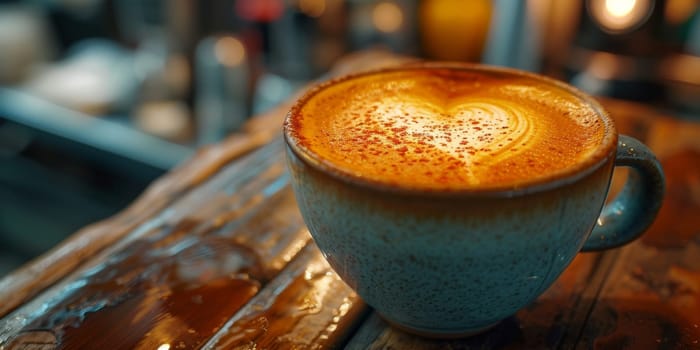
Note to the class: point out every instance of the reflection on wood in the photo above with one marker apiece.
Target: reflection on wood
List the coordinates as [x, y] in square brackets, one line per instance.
[651, 300]
[306, 307]
[25, 282]
[179, 281]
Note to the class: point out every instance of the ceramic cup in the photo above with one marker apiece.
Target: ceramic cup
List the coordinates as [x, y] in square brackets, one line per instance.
[454, 263]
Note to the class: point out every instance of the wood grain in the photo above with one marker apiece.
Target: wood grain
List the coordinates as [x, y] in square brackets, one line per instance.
[651, 299]
[179, 278]
[24, 283]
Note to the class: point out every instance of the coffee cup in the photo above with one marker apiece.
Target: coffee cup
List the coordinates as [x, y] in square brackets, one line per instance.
[451, 195]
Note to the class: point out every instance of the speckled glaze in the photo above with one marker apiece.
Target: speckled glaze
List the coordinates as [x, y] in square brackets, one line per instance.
[449, 264]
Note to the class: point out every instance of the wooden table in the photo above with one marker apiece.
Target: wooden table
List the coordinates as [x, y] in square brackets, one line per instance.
[215, 255]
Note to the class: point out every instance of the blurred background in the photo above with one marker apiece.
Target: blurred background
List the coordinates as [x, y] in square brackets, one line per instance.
[100, 97]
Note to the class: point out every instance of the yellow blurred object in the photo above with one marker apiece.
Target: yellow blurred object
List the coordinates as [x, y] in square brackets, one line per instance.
[454, 29]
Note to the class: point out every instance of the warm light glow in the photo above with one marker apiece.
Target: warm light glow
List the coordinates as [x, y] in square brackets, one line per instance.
[620, 8]
[312, 8]
[164, 347]
[387, 17]
[229, 51]
[620, 15]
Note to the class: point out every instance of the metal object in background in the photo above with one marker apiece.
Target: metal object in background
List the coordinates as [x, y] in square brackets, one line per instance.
[617, 47]
[514, 38]
[637, 50]
[222, 86]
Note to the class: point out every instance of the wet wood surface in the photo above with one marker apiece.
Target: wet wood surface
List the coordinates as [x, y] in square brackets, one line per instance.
[35, 276]
[215, 255]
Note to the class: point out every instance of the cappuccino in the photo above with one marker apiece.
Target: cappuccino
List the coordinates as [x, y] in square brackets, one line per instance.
[448, 195]
[448, 129]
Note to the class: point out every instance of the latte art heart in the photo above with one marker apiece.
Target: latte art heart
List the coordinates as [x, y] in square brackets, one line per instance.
[447, 130]
[466, 133]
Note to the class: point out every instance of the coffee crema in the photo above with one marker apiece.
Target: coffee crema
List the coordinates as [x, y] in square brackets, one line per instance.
[447, 129]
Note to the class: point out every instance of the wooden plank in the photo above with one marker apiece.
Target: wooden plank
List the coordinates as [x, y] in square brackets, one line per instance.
[306, 307]
[652, 297]
[25, 282]
[179, 279]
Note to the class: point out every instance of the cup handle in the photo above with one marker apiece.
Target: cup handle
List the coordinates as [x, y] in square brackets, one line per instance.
[634, 209]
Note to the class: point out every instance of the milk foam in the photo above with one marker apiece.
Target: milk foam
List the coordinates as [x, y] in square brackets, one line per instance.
[469, 131]
[449, 130]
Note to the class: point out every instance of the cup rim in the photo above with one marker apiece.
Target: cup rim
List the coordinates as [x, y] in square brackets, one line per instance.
[602, 154]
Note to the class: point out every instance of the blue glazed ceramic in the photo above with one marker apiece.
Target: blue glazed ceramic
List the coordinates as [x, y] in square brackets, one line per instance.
[448, 264]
